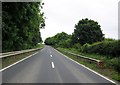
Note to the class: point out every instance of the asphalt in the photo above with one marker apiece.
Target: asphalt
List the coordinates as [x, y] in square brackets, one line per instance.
[49, 66]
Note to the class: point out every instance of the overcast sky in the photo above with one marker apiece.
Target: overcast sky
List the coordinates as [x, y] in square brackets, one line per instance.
[62, 15]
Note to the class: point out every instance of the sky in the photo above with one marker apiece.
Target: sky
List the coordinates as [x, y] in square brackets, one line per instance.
[62, 15]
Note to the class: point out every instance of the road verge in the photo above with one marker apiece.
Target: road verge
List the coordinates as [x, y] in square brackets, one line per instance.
[106, 72]
[13, 57]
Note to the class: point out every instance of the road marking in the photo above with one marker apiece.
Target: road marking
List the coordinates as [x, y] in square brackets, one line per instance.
[17, 62]
[50, 52]
[87, 68]
[53, 66]
[51, 56]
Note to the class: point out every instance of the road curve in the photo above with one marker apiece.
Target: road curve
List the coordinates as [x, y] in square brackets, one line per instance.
[49, 66]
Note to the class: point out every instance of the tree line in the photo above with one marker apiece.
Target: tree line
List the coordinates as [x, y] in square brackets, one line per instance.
[86, 31]
[21, 23]
[88, 38]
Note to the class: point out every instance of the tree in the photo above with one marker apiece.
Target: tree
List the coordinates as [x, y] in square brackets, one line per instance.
[50, 41]
[60, 40]
[21, 22]
[87, 31]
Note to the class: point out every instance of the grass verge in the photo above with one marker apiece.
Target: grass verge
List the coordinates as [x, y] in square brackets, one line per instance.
[39, 45]
[108, 72]
[6, 61]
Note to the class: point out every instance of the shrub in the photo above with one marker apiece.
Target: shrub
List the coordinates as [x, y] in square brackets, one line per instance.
[77, 46]
[115, 62]
[105, 48]
[85, 48]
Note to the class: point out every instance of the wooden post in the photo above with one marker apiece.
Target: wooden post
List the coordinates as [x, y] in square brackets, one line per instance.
[101, 64]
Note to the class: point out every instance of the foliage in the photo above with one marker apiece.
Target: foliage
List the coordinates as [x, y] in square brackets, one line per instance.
[60, 39]
[49, 41]
[104, 48]
[87, 31]
[109, 39]
[84, 47]
[77, 46]
[20, 25]
[115, 62]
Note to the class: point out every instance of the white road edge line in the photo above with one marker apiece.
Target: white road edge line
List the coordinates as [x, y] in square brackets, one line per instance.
[51, 56]
[53, 66]
[87, 68]
[18, 62]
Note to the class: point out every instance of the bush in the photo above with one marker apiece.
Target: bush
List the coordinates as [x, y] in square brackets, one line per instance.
[85, 48]
[115, 63]
[65, 43]
[105, 48]
[77, 46]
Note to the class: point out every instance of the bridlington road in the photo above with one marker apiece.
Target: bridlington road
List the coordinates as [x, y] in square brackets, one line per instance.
[50, 66]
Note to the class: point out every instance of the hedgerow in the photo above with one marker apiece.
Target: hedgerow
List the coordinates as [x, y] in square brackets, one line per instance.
[111, 48]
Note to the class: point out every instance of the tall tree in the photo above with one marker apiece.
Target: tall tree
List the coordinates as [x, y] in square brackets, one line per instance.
[21, 22]
[87, 31]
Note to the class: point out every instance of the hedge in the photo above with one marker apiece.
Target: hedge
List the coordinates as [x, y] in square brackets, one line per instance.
[111, 48]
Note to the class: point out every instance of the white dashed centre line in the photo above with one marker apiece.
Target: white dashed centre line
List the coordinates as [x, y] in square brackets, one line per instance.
[51, 56]
[53, 66]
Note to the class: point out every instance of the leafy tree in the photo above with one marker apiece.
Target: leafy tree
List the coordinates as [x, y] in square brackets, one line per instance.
[60, 39]
[87, 31]
[21, 22]
[50, 41]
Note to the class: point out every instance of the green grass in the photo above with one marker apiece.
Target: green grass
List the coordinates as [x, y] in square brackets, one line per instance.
[39, 45]
[73, 50]
[106, 71]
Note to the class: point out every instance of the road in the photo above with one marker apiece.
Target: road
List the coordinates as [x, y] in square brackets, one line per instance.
[50, 66]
